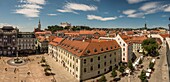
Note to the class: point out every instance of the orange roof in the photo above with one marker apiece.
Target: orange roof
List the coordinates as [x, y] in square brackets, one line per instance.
[56, 41]
[130, 32]
[51, 38]
[165, 35]
[138, 39]
[41, 38]
[45, 32]
[127, 39]
[80, 48]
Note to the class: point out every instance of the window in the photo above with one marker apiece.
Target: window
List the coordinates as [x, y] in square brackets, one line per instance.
[110, 55]
[104, 57]
[76, 68]
[110, 61]
[73, 58]
[95, 50]
[88, 51]
[91, 59]
[84, 69]
[84, 61]
[107, 48]
[123, 58]
[123, 49]
[104, 70]
[98, 65]
[76, 60]
[91, 68]
[101, 49]
[115, 59]
[99, 58]
[111, 47]
[123, 54]
[123, 44]
[98, 72]
[104, 63]
[114, 53]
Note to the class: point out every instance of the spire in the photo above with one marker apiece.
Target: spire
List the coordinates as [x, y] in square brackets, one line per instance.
[39, 25]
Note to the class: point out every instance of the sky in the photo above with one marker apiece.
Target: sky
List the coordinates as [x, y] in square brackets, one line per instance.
[25, 14]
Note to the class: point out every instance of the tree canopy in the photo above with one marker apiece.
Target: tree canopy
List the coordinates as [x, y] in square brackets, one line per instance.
[150, 45]
[114, 73]
[102, 79]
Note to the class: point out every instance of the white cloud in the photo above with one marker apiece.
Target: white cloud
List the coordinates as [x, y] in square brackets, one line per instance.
[6, 24]
[28, 12]
[167, 9]
[134, 1]
[51, 14]
[94, 17]
[136, 15]
[149, 6]
[72, 7]
[30, 8]
[130, 11]
[40, 2]
[66, 10]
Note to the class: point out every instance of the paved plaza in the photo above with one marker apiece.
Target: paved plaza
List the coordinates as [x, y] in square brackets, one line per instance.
[21, 73]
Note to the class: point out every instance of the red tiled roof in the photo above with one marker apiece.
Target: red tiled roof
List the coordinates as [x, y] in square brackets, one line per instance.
[165, 35]
[56, 41]
[138, 39]
[81, 48]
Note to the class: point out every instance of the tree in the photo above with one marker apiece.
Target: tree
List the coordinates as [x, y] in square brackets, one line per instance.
[102, 79]
[150, 45]
[114, 73]
[121, 68]
[151, 65]
[130, 65]
[143, 76]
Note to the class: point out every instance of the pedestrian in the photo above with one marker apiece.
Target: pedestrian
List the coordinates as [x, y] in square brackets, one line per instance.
[5, 69]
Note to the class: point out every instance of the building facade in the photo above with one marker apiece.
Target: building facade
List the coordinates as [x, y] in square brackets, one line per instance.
[8, 41]
[26, 43]
[85, 60]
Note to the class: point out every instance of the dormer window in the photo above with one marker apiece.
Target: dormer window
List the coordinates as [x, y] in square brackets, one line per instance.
[88, 51]
[79, 51]
[72, 47]
[101, 49]
[115, 46]
[111, 47]
[106, 48]
[95, 50]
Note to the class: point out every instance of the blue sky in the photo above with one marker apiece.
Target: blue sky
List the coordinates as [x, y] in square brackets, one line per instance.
[94, 13]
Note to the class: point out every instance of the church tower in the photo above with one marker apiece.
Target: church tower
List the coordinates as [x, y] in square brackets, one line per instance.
[39, 25]
[145, 26]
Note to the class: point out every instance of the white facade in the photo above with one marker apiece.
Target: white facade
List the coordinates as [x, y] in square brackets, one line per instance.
[126, 49]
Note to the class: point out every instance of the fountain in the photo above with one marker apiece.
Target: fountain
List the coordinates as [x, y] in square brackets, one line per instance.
[16, 61]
